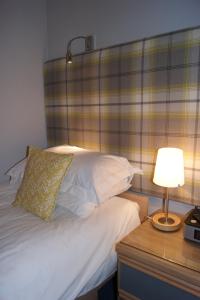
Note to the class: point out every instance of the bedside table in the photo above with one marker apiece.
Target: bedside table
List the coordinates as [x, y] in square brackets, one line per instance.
[158, 265]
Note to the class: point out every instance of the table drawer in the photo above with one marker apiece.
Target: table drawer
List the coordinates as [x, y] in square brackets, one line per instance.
[144, 286]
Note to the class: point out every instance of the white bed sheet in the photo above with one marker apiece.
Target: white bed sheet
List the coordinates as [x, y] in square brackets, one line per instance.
[58, 259]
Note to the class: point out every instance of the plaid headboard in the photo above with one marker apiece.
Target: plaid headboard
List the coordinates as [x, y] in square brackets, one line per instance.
[130, 100]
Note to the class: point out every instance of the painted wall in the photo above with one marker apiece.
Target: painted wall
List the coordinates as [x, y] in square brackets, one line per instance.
[115, 21]
[22, 52]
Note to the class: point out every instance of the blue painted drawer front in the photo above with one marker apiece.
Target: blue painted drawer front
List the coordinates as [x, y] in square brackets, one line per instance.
[146, 287]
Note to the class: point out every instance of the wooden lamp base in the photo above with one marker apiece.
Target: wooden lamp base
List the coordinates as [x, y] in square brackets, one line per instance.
[170, 223]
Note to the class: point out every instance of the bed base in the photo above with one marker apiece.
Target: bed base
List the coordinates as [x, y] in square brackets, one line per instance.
[93, 294]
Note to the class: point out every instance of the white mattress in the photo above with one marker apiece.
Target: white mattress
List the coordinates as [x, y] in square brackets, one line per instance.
[62, 258]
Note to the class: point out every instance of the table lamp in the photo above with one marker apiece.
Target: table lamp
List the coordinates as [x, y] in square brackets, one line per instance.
[169, 173]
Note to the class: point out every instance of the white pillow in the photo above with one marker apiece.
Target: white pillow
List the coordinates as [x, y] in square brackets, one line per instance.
[102, 175]
[75, 200]
[98, 175]
[116, 189]
[83, 208]
[16, 173]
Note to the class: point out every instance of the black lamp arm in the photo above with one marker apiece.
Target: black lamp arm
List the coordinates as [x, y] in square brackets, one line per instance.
[88, 42]
[89, 45]
[76, 38]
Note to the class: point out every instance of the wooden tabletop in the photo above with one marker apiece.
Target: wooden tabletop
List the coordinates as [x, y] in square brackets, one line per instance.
[170, 246]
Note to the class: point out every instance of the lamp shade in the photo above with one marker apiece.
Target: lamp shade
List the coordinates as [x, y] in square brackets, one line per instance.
[169, 169]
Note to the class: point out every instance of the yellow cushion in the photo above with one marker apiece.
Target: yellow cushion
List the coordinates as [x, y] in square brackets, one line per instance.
[41, 182]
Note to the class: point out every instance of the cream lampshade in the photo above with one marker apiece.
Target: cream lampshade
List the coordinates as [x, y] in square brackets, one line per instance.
[169, 173]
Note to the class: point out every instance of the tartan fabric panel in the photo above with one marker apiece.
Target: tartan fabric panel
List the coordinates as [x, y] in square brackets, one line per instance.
[55, 72]
[131, 57]
[90, 65]
[156, 52]
[130, 100]
[110, 59]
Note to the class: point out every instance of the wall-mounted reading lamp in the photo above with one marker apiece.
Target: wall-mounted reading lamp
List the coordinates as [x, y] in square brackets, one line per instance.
[89, 46]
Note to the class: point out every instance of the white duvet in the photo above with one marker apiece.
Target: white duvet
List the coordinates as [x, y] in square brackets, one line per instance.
[54, 260]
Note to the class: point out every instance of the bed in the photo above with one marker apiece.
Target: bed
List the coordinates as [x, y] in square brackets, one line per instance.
[66, 258]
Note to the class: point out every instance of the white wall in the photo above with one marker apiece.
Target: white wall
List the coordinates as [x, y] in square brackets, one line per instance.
[22, 51]
[115, 21]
